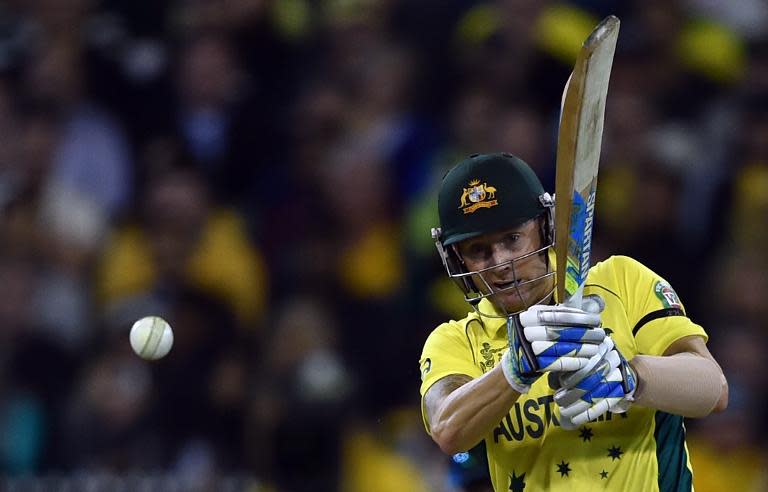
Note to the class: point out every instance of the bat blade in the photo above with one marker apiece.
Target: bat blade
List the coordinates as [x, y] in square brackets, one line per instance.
[578, 156]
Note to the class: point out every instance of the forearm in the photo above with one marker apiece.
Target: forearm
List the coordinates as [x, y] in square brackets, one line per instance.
[471, 411]
[686, 384]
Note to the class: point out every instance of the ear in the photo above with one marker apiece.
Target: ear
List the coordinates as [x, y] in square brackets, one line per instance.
[453, 264]
[466, 284]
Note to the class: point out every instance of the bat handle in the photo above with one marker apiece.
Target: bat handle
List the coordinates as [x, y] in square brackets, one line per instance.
[575, 300]
[515, 330]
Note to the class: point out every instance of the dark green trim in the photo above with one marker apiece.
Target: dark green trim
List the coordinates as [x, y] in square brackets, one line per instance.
[671, 456]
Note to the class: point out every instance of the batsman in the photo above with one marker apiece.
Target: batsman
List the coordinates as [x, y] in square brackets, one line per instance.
[575, 393]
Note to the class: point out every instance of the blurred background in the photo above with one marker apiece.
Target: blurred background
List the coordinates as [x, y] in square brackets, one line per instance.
[263, 174]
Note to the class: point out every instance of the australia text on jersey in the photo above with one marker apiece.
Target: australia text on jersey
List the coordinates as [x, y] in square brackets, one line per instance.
[531, 417]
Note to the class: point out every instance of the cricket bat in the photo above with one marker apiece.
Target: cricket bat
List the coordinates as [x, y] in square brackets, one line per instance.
[578, 156]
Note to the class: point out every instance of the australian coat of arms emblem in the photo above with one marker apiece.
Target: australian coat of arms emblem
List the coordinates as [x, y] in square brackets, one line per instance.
[478, 195]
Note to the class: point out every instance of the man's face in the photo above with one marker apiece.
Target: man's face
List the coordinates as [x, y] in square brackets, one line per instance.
[499, 248]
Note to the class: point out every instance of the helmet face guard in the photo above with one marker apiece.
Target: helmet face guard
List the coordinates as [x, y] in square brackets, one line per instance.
[474, 284]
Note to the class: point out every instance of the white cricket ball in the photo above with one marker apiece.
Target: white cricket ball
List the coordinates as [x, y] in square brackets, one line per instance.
[151, 338]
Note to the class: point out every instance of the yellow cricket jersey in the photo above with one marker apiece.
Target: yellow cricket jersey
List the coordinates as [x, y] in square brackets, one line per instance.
[641, 450]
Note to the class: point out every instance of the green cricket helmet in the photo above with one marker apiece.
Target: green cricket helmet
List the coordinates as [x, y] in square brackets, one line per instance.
[482, 194]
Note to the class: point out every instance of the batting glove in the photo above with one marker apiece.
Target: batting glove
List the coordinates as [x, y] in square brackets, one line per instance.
[606, 383]
[549, 338]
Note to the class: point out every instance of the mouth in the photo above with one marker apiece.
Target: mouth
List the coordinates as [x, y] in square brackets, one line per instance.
[506, 285]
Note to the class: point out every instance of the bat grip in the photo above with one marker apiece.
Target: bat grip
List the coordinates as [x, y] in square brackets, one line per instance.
[524, 345]
[575, 300]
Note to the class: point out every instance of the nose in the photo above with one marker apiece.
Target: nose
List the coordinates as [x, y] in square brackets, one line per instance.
[500, 255]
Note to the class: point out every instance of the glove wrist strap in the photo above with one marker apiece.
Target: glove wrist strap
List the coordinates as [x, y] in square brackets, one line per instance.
[512, 378]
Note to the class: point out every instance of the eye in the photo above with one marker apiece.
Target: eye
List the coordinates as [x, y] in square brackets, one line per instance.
[512, 238]
[477, 252]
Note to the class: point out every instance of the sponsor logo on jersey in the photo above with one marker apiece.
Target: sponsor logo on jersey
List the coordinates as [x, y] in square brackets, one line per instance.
[426, 366]
[478, 195]
[667, 295]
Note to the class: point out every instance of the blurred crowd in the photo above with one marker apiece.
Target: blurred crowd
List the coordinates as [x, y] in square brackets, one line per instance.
[263, 174]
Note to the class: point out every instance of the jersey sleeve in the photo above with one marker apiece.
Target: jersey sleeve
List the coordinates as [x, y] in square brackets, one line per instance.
[446, 352]
[655, 312]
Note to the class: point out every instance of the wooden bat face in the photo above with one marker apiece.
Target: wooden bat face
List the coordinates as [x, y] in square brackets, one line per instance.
[578, 158]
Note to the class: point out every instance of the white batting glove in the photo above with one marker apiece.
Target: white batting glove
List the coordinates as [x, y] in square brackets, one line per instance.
[550, 338]
[562, 338]
[606, 383]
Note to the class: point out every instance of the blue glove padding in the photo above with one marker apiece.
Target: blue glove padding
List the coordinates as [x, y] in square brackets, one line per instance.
[549, 338]
[559, 338]
[607, 383]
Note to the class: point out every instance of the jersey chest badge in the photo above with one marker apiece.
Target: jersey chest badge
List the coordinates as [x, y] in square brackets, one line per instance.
[490, 356]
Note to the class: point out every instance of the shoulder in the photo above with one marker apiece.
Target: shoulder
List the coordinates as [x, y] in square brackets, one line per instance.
[450, 350]
[456, 338]
[617, 271]
[624, 278]
[619, 265]
[455, 328]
